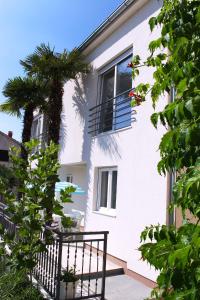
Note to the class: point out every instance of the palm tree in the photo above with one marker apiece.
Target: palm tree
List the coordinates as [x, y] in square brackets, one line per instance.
[54, 69]
[24, 94]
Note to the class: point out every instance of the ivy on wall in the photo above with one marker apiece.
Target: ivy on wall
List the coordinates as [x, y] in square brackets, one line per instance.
[175, 57]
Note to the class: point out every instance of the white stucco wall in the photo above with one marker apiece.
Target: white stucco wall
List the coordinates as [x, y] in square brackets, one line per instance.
[141, 192]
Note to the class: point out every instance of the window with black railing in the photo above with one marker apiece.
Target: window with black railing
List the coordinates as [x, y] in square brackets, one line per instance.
[114, 110]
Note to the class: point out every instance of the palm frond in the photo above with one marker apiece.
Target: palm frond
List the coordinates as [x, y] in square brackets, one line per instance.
[40, 63]
[46, 64]
[23, 92]
[10, 109]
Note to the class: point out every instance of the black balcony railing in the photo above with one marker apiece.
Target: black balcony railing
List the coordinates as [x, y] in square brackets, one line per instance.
[111, 114]
[83, 252]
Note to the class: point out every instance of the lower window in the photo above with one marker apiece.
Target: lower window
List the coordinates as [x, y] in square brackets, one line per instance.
[107, 189]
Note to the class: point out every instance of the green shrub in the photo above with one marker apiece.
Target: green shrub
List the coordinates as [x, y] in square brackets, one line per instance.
[15, 285]
[175, 252]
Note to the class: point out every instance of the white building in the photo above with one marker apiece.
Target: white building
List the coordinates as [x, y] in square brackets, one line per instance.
[111, 149]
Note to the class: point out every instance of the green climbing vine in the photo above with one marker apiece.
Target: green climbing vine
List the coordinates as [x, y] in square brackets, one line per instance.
[175, 57]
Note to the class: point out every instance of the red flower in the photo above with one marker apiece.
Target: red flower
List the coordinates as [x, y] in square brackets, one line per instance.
[130, 65]
[132, 94]
[138, 98]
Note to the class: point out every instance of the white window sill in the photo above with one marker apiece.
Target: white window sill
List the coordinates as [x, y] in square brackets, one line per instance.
[105, 213]
[111, 132]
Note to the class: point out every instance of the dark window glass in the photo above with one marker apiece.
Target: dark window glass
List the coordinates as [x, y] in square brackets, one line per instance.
[122, 102]
[106, 114]
[4, 155]
[36, 128]
[104, 189]
[114, 189]
[116, 113]
[69, 178]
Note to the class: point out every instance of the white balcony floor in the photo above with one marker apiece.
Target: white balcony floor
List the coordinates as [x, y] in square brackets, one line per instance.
[86, 265]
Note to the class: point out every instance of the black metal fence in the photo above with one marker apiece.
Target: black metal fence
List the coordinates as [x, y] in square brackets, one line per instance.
[5, 220]
[84, 253]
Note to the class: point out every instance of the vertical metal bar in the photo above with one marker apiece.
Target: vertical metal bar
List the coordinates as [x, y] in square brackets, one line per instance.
[42, 269]
[75, 258]
[59, 267]
[96, 284]
[54, 283]
[49, 267]
[90, 263]
[68, 251]
[52, 271]
[104, 266]
[46, 254]
[82, 270]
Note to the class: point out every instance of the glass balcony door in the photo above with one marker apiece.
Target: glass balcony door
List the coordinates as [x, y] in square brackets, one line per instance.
[106, 118]
[115, 112]
[123, 84]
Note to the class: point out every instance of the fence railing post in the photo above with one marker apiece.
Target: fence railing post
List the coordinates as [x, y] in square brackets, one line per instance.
[59, 267]
[104, 266]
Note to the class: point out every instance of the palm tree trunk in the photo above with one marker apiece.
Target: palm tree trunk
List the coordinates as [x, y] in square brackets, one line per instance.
[54, 122]
[54, 112]
[26, 136]
[26, 133]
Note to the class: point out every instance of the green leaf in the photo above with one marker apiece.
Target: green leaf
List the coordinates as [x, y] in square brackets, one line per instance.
[154, 119]
[182, 87]
[152, 23]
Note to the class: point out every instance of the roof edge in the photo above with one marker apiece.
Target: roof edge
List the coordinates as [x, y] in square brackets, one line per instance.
[9, 138]
[105, 24]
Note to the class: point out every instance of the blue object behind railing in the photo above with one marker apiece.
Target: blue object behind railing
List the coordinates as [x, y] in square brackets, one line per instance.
[64, 184]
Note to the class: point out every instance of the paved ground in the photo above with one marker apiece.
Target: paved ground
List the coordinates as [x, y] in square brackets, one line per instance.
[119, 287]
[122, 287]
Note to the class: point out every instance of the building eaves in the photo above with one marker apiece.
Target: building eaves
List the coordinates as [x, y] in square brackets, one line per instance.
[103, 26]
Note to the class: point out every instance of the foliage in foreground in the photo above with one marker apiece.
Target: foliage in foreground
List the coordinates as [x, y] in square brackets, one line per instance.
[175, 55]
[30, 212]
[7, 176]
[15, 285]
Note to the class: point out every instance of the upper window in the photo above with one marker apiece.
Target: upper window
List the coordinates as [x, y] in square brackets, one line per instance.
[107, 189]
[115, 103]
[36, 127]
[39, 131]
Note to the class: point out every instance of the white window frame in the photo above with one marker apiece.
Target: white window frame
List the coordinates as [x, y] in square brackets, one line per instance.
[39, 130]
[115, 61]
[71, 178]
[108, 209]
